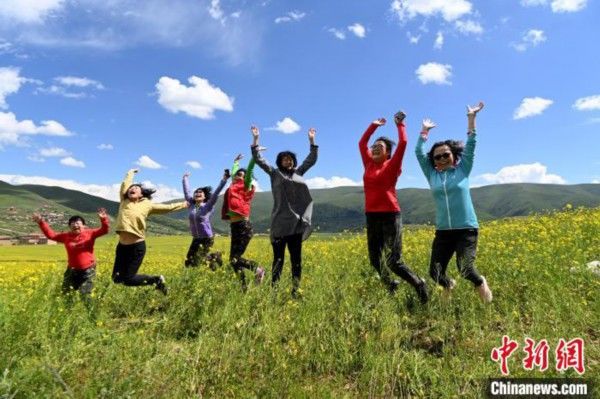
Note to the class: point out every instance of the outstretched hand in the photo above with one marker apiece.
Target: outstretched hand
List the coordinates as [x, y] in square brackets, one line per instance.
[255, 131]
[399, 117]
[102, 213]
[472, 111]
[36, 217]
[311, 133]
[226, 174]
[238, 157]
[135, 170]
[379, 121]
[427, 125]
[186, 174]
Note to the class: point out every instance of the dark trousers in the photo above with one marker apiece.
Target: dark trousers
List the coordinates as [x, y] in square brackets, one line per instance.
[384, 239]
[128, 260]
[294, 245]
[445, 244]
[199, 251]
[79, 280]
[241, 234]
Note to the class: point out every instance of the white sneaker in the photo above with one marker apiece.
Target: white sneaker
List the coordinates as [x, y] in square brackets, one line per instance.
[484, 291]
[259, 275]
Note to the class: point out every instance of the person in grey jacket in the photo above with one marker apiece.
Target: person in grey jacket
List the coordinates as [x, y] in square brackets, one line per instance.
[292, 205]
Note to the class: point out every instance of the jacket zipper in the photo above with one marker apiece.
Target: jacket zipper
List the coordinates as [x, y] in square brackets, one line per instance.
[446, 197]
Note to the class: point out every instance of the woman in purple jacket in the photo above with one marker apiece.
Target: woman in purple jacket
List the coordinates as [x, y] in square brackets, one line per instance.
[200, 209]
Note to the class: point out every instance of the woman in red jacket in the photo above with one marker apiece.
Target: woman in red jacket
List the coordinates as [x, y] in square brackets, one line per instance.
[237, 201]
[79, 243]
[384, 220]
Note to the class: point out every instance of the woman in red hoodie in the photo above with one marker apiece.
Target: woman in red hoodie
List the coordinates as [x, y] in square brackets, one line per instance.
[384, 220]
[236, 209]
[79, 243]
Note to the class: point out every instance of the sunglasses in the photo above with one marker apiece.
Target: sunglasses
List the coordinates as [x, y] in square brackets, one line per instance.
[445, 155]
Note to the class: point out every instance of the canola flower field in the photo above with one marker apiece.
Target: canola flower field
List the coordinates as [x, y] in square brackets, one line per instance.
[345, 337]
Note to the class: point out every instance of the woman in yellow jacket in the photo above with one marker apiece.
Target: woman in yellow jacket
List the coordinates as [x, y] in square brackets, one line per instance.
[135, 207]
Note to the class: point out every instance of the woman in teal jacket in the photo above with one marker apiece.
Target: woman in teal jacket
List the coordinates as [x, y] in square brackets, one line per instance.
[447, 167]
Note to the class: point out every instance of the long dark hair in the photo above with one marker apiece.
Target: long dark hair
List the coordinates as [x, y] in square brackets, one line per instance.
[456, 147]
[146, 191]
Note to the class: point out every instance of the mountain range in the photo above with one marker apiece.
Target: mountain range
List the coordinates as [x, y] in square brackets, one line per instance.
[335, 209]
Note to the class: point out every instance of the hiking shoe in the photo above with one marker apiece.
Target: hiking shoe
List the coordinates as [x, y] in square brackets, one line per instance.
[259, 275]
[484, 291]
[422, 293]
[161, 285]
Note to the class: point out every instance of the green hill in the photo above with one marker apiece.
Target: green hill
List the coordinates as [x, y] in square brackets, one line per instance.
[335, 209]
[18, 203]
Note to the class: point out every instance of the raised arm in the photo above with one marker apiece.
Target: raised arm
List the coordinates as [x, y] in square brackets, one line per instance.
[213, 198]
[248, 176]
[396, 160]
[186, 188]
[47, 230]
[260, 161]
[363, 143]
[311, 158]
[104, 224]
[166, 208]
[424, 162]
[466, 163]
[128, 181]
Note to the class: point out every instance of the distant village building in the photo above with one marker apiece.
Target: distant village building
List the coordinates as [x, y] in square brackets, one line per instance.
[35, 239]
[7, 240]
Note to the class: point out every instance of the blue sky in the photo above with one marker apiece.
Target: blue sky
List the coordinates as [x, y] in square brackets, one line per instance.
[90, 88]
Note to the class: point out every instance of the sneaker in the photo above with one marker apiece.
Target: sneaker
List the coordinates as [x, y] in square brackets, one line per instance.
[484, 291]
[161, 286]
[422, 292]
[451, 285]
[259, 275]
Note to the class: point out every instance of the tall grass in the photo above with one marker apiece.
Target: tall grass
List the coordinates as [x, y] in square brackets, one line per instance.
[345, 337]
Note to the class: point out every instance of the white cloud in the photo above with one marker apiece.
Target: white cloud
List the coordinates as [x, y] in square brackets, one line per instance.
[358, 30]
[70, 161]
[337, 33]
[105, 147]
[36, 158]
[435, 73]
[568, 5]
[596, 181]
[60, 91]
[107, 191]
[79, 82]
[469, 26]
[287, 125]
[54, 152]
[589, 103]
[10, 83]
[122, 24]
[216, 12]
[13, 130]
[413, 39]
[194, 164]
[439, 41]
[334, 181]
[28, 11]
[524, 173]
[531, 106]
[146, 162]
[290, 16]
[532, 38]
[450, 10]
[558, 6]
[200, 99]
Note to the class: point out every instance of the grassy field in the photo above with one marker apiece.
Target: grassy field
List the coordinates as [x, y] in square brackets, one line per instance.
[346, 337]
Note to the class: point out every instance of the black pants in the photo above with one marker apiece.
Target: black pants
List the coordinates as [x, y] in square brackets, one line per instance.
[241, 234]
[199, 251]
[128, 260]
[79, 280]
[384, 239]
[294, 245]
[445, 243]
